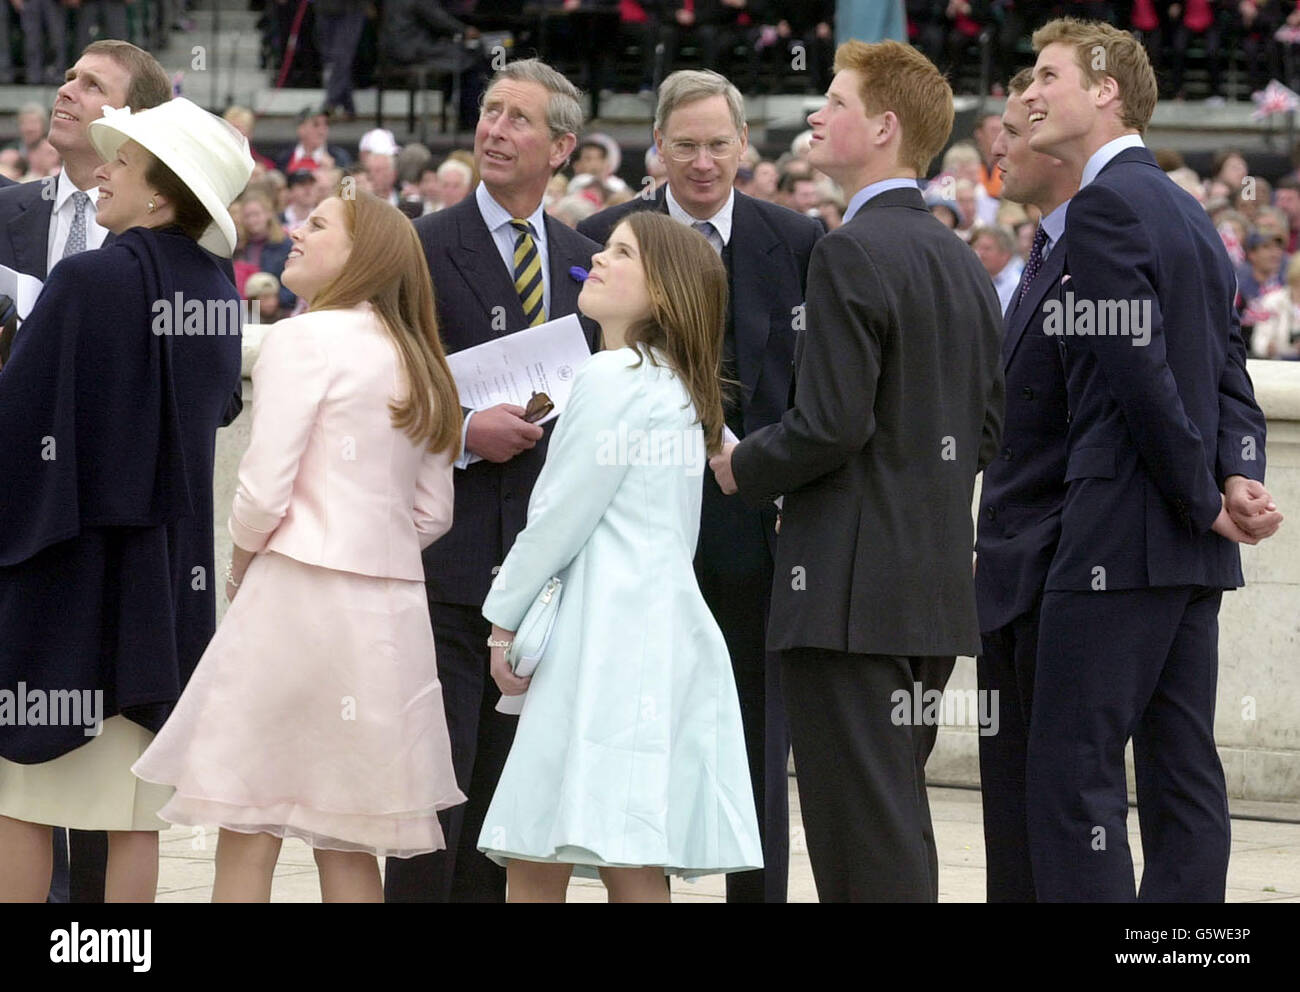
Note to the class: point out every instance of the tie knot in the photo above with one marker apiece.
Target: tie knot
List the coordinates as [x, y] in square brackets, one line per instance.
[704, 227]
[79, 200]
[521, 225]
[1040, 238]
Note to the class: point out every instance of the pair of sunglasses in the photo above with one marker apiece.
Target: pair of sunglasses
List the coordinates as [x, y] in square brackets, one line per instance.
[539, 405]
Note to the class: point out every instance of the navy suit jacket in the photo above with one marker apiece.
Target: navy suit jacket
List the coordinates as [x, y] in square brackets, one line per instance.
[470, 284]
[25, 228]
[770, 247]
[1155, 428]
[1024, 486]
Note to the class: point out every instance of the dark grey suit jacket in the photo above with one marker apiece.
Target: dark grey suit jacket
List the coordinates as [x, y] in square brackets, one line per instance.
[471, 287]
[898, 405]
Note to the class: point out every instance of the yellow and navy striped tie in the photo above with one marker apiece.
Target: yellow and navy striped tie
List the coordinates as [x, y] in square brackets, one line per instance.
[528, 273]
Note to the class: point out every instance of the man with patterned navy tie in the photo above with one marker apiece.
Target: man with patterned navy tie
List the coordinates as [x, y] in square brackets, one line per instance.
[1019, 517]
[1164, 434]
[499, 264]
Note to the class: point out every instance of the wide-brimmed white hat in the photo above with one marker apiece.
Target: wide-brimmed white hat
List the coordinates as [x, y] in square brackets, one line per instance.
[207, 154]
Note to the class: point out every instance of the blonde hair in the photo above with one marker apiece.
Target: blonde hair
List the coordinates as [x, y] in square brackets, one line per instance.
[274, 231]
[387, 269]
[687, 285]
[1101, 50]
[898, 78]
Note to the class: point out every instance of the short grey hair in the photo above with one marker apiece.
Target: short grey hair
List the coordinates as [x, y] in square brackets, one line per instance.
[456, 165]
[563, 109]
[689, 85]
[1004, 239]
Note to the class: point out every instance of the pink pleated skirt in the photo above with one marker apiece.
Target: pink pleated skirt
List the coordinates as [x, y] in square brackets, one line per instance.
[316, 713]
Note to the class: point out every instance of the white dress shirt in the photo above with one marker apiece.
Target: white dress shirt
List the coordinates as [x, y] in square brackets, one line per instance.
[721, 221]
[1007, 281]
[1099, 159]
[61, 220]
[497, 218]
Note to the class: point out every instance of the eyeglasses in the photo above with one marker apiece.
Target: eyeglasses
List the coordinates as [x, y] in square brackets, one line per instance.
[685, 151]
[539, 405]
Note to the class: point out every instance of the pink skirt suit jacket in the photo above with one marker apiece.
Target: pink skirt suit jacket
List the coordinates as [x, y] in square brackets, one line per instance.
[316, 711]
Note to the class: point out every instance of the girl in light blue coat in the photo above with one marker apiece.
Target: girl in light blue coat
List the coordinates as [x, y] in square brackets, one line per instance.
[629, 758]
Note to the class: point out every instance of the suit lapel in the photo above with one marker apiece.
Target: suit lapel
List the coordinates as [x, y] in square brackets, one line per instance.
[29, 238]
[1022, 314]
[753, 278]
[564, 287]
[480, 264]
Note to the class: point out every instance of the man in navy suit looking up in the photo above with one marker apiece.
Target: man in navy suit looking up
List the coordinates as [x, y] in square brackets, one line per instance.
[1019, 517]
[1163, 432]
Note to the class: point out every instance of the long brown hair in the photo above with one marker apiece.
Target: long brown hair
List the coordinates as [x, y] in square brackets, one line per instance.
[687, 285]
[388, 270]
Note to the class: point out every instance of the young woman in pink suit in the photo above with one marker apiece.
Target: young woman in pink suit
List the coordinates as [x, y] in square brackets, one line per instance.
[316, 711]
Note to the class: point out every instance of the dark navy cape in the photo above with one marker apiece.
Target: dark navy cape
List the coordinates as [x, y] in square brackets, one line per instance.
[107, 438]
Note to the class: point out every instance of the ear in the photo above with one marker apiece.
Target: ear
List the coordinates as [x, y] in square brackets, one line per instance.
[889, 126]
[561, 148]
[1107, 91]
[744, 139]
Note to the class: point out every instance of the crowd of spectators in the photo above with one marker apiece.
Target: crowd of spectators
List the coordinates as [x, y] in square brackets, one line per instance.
[1258, 221]
[764, 45]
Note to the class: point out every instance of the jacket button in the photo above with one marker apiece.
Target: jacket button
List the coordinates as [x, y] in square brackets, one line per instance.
[508, 497]
[991, 513]
[1006, 454]
[1027, 393]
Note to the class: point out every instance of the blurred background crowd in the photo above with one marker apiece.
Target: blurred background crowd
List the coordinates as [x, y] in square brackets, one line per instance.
[1205, 50]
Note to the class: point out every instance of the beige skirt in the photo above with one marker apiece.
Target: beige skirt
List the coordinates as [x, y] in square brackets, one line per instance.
[91, 788]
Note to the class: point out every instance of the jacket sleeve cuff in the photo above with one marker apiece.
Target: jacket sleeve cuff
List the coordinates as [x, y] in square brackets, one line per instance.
[247, 538]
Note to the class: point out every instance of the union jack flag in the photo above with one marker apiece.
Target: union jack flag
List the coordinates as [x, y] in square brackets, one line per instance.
[1273, 99]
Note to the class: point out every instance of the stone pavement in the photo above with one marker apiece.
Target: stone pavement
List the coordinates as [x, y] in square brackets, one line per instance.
[1265, 865]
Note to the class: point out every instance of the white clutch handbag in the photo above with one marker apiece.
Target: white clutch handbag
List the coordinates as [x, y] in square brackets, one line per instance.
[531, 639]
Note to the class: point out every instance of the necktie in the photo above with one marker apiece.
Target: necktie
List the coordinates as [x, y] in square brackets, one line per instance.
[528, 273]
[710, 233]
[1034, 264]
[77, 233]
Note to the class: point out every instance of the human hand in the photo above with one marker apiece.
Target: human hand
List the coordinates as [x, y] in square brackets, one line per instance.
[507, 681]
[721, 465]
[499, 432]
[1251, 507]
[1224, 527]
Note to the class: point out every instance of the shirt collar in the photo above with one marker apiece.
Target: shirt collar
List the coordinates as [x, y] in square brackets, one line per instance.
[64, 189]
[721, 221]
[1054, 224]
[496, 216]
[1105, 153]
[875, 189]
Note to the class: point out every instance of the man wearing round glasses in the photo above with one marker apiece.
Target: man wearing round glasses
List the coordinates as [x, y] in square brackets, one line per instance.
[700, 135]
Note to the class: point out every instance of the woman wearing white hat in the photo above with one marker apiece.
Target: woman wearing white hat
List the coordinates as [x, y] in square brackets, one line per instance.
[109, 406]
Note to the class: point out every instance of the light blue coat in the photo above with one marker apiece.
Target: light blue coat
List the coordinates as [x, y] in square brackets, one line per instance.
[629, 749]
